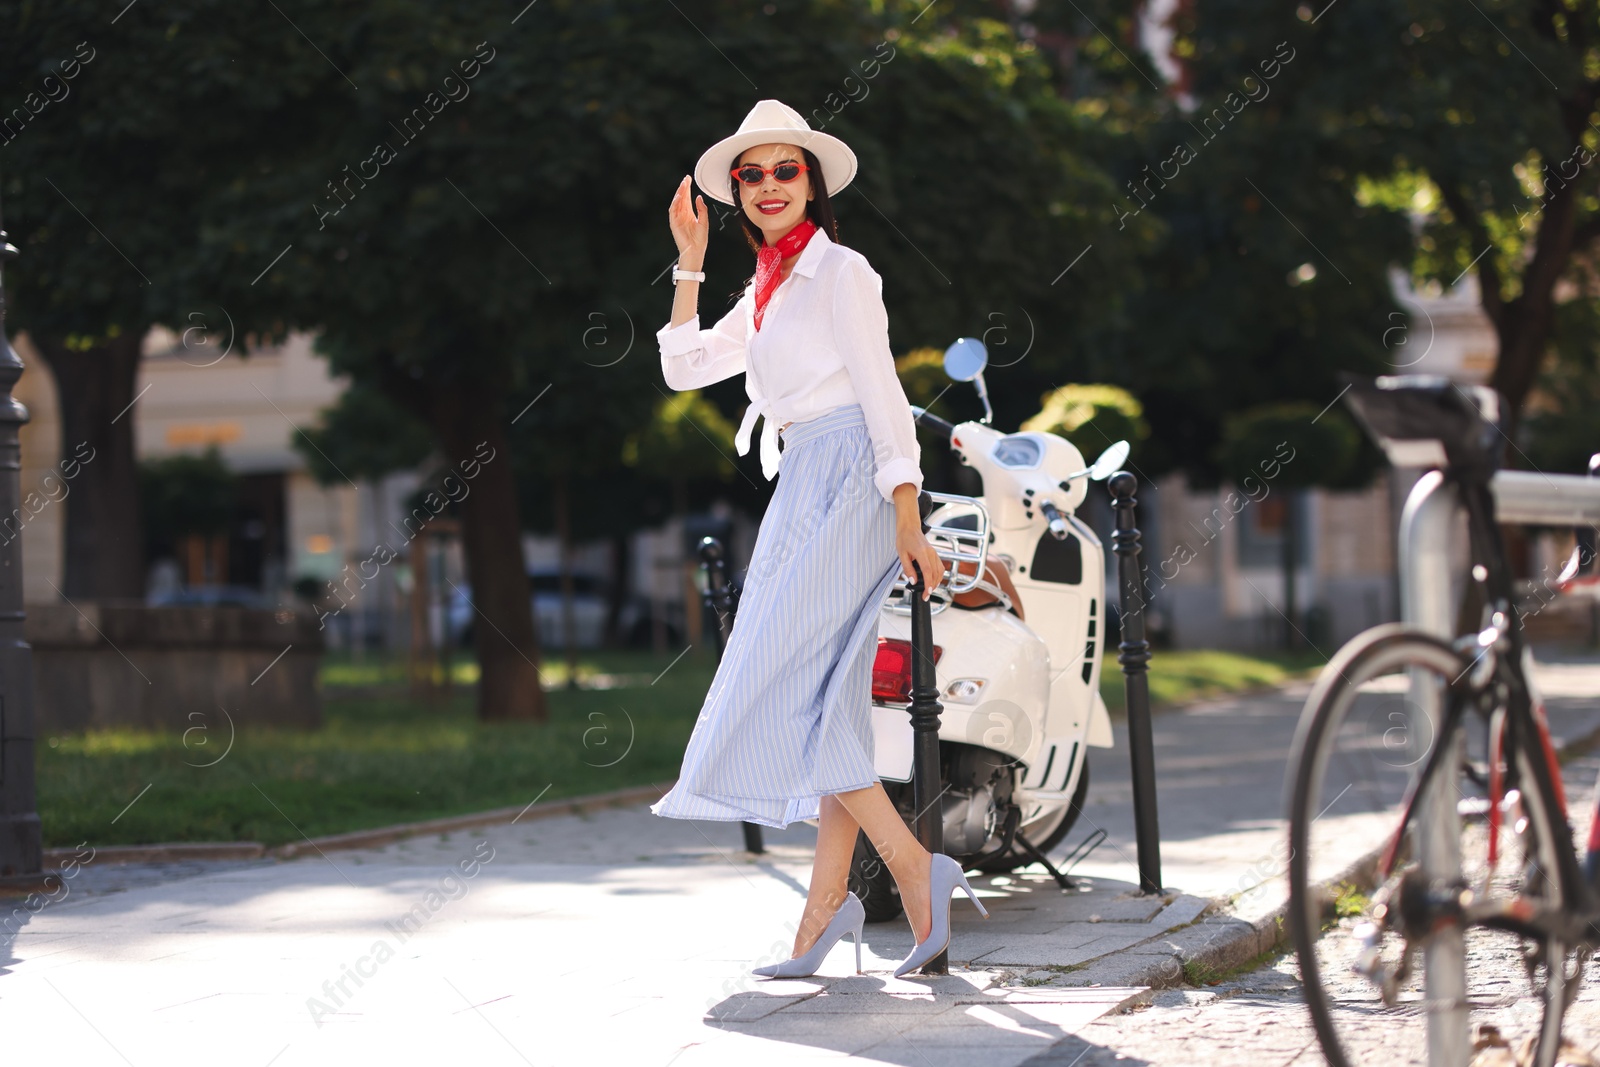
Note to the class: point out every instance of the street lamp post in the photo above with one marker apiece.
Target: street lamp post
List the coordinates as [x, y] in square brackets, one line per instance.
[21, 843]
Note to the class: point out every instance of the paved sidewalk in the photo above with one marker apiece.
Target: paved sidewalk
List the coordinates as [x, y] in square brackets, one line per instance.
[616, 936]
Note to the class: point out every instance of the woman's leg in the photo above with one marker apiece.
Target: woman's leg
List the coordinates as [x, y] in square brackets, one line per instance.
[908, 861]
[841, 815]
[830, 872]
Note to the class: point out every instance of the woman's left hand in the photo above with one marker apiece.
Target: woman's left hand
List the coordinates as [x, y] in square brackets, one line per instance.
[912, 545]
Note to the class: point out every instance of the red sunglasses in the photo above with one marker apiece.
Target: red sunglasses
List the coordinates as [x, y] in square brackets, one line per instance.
[751, 174]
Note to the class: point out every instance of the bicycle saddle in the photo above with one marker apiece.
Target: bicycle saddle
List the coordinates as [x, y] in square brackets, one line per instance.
[1427, 420]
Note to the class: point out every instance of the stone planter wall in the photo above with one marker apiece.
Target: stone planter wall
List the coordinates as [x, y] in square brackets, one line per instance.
[111, 663]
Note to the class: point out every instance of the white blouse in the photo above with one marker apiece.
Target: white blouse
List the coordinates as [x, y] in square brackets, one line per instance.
[823, 344]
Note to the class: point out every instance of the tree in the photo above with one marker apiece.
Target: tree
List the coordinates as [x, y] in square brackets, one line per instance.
[921, 373]
[362, 435]
[455, 241]
[672, 445]
[1559, 430]
[1225, 191]
[123, 128]
[365, 435]
[1479, 123]
[185, 500]
[687, 440]
[1092, 417]
[1285, 447]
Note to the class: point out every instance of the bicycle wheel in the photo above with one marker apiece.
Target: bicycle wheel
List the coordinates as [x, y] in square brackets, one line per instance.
[1374, 995]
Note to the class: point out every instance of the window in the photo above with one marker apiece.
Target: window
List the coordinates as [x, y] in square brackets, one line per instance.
[1261, 528]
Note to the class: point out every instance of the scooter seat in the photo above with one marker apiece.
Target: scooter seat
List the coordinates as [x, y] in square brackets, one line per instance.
[996, 579]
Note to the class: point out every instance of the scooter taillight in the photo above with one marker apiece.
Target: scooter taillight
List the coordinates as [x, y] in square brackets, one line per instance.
[891, 670]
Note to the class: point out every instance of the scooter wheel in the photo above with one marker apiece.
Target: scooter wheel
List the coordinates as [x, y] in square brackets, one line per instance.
[1014, 858]
[871, 881]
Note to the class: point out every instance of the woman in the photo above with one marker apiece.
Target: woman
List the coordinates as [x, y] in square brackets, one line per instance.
[785, 732]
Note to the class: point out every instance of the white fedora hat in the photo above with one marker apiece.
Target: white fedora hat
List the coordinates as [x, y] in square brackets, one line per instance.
[773, 122]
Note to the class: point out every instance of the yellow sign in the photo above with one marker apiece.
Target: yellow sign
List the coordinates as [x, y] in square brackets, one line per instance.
[202, 433]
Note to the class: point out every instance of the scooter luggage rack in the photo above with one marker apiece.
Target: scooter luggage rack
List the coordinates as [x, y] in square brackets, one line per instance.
[955, 545]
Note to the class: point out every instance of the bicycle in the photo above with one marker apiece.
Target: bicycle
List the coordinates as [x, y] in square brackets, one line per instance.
[1421, 790]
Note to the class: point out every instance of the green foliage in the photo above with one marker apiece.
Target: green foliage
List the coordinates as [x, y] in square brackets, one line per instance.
[1270, 279]
[674, 443]
[1350, 901]
[1439, 137]
[186, 494]
[491, 251]
[111, 184]
[1561, 432]
[921, 373]
[1092, 417]
[491, 268]
[363, 435]
[1292, 444]
[1561, 429]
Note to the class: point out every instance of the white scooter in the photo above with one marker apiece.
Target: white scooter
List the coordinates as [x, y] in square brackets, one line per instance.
[1019, 622]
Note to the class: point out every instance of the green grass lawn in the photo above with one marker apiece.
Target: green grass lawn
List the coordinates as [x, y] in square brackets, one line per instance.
[381, 758]
[1183, 675]
[378, 759]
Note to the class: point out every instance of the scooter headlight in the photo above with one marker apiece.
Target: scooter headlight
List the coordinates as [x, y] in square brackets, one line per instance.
[964, 690]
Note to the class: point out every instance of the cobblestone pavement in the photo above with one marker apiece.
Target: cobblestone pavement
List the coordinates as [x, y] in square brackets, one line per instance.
[1260, 1019]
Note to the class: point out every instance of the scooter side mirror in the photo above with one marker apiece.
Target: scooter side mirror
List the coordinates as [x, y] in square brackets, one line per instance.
[965, 359]
[964, 362]
[1110, 461]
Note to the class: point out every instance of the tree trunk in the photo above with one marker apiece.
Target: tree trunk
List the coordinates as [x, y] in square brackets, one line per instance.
[617, 594]
[104, 546]
[421, 658]
[474, 438]
[1291, 562]
[1523, 325]
[1524, 343]
[563, 503]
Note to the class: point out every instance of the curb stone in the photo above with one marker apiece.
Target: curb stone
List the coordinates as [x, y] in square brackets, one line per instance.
[1218, 943]
[56, 858]
[390, 834]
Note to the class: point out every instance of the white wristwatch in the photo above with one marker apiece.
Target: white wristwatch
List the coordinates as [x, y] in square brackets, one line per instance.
[687, 275]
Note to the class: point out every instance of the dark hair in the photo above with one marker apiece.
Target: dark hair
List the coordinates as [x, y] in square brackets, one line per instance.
[819, 209]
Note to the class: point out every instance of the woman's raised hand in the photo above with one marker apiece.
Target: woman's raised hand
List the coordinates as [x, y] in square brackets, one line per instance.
[690, 228]
[914, 548]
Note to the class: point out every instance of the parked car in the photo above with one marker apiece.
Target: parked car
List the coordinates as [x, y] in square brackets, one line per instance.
[211, 596]
[589, 608]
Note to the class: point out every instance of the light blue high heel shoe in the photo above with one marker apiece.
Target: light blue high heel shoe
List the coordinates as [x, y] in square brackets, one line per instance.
[944, 876]
[847, 920]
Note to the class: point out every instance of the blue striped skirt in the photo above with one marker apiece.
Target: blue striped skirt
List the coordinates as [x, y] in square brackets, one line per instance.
[788, 717]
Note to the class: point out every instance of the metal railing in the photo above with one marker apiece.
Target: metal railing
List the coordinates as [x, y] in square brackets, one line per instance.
[956, 545]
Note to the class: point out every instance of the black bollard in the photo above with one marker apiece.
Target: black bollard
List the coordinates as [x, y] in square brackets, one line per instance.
[925, 712]
[720, 599]
[719, 592]
[21, 840]
[1134, 655]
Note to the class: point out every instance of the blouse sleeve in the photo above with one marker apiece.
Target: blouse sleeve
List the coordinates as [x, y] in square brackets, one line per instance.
[692, 357]
[861, 336]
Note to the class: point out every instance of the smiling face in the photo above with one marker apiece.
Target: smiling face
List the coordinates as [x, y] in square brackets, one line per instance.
[785, 201]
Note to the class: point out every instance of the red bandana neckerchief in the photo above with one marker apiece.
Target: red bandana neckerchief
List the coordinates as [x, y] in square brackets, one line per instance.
[769, 257]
